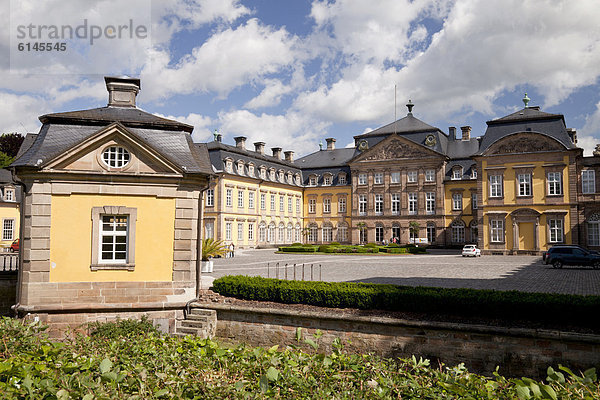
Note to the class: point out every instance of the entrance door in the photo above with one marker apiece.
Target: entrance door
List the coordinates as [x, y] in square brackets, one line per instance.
[526, 236]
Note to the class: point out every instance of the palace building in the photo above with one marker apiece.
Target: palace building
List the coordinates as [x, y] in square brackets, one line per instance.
[521, 187]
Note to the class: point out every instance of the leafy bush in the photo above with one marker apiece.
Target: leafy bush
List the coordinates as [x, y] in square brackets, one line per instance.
[393, 245]
[371, 245]
[334, 244]
[296, 244]
[555, 308]
[192, 368]
[324, 247]
[125, 328]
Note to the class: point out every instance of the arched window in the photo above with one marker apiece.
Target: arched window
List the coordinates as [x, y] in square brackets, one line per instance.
[593, 230]
[240, 167]
[312, 180]
[379, 233]
[327, 179]
[474, 231]
[431, 234]
[262, 232]
[281, 237]
[327, 233]
[458, 231]
[396, 231]
[290, 232]
[313, 232]
[298, 233]
[271, 233]
[342, 232]
[342, 180]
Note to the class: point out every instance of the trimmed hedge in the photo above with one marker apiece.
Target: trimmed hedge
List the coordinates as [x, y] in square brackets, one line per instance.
[511, 305]
[299, 249]
[329, 249]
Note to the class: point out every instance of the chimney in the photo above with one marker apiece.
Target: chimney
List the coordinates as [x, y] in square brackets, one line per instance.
[572, 134]
[466, 132]
[259, 147]
[330, 143]
[219, 137]
[122, 91]
[240, 142]
[452, 132]
[289, 156]
[276, 152]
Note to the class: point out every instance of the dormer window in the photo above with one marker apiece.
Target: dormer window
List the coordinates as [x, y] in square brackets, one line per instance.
[272, 174]
[281, 178]
[250, 170]
[229, 166]
[9, 194]
[327, 180]
[457, 173]
[116, 157]
[312, 180]
[263, 173]
[290, 178]
[342, 179]
[240, 168]
[298, 181]
[473, 173]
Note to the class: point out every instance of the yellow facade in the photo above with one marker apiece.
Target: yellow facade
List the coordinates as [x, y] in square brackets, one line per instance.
[9, 211]
[339, 216]
[71, 238]
[541, 207]
[235, 222]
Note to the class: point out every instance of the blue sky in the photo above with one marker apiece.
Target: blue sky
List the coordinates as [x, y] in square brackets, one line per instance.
[293, 72]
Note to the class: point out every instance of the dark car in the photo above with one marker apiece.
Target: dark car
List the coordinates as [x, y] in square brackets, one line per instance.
[558, 256]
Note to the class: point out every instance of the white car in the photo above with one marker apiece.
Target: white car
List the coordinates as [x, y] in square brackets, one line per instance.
[471, 250]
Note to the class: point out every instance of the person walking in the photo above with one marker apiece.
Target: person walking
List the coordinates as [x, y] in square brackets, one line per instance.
[232, 250]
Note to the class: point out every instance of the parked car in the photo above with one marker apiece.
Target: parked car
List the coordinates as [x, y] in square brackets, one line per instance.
[471, 250]
[14, 247]
[561, 255]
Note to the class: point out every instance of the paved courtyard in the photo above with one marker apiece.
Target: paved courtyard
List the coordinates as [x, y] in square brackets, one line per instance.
[440, 268]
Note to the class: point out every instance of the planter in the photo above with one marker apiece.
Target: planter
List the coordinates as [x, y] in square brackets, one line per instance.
[207, 266]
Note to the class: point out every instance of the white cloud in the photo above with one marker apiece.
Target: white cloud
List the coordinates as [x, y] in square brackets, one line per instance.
[228, 59]
[203, 125]
[19, 113]
[270, 95]
[589, 135]
[292, 131]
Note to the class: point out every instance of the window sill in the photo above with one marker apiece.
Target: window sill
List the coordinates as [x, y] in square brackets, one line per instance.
[112, 267]
[555, 195]
[528, 196]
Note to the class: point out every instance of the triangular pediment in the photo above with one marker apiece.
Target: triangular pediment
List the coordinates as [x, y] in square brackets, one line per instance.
[88, 155]
[396, 147]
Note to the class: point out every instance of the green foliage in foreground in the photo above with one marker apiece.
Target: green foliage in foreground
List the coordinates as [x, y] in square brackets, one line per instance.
[511, 305]
[163, 367]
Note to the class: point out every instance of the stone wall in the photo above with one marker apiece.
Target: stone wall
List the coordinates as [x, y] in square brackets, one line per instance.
[8, 293]
[518, 351]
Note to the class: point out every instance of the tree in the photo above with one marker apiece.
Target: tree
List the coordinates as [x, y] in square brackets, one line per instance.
[361, 229]
[413, 228]
[213, 248]
[5, 160]
[10, 143]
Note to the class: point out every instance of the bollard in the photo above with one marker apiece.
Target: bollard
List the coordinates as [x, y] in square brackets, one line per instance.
[294, 271]
[277, 270]
[320, 277]
[302, 271]
[268, 271]
[311, 272]
[286, 271]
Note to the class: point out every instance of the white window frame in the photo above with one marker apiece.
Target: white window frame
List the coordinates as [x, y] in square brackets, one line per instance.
[116, 157]
[209, 230]
[342, 179]
[9, 194]
[210, 198]
[98, 214]
[240, 232]
[273, 202]
[495, 186]
[378, 204]
[524, 182]
[458, 233]
[362, 179]
[312, 180]
[593, 233]
[430, 203]
[412, 177]
[290, 206]
[326, 205]
[378, 178]
[457, 173]
[473, 201]
[413, 203]
[379, 234]
[395, 177]
[250, 231]
[327, 234]
[229, 197]
[395, 200]
[457, 201]
[362, 204]
[327, 179]
[297, 206]
[263, 201]
[281, 203]
[312, 206]
[431, 233]
[588, 181]
[555, 230]
[262, 233]
[430, 175]
[8, 229]
[554, 185]
[342, 233]
[342, 204]
[251, 200]
[228, 228]
[496, 231]
[240, 198]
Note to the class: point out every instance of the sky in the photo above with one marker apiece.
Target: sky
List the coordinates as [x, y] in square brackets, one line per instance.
[292, 72]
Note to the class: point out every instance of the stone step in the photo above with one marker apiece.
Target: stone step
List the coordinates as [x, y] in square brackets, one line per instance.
[195, 317]
[193, 324]
[200, 311]
[190, 331]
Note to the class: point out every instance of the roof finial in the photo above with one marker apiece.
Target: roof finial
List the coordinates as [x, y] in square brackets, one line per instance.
[410, 106]
[321, 145]
[216, 134]
[526, 100]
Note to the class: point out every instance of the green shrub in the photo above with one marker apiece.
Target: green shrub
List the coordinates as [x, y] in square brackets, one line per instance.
[334, 243]
[393, 245]
[371, 245]
[324, 247]
[307, 245]
[127, 328]
[296, 244]
[298, 249]
[556, 308]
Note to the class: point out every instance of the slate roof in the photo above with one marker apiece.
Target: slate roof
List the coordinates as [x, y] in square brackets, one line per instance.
[527, 120]
[467, 165]
[128, 116]
[26, 144]
[327, 158]
[219, 151]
